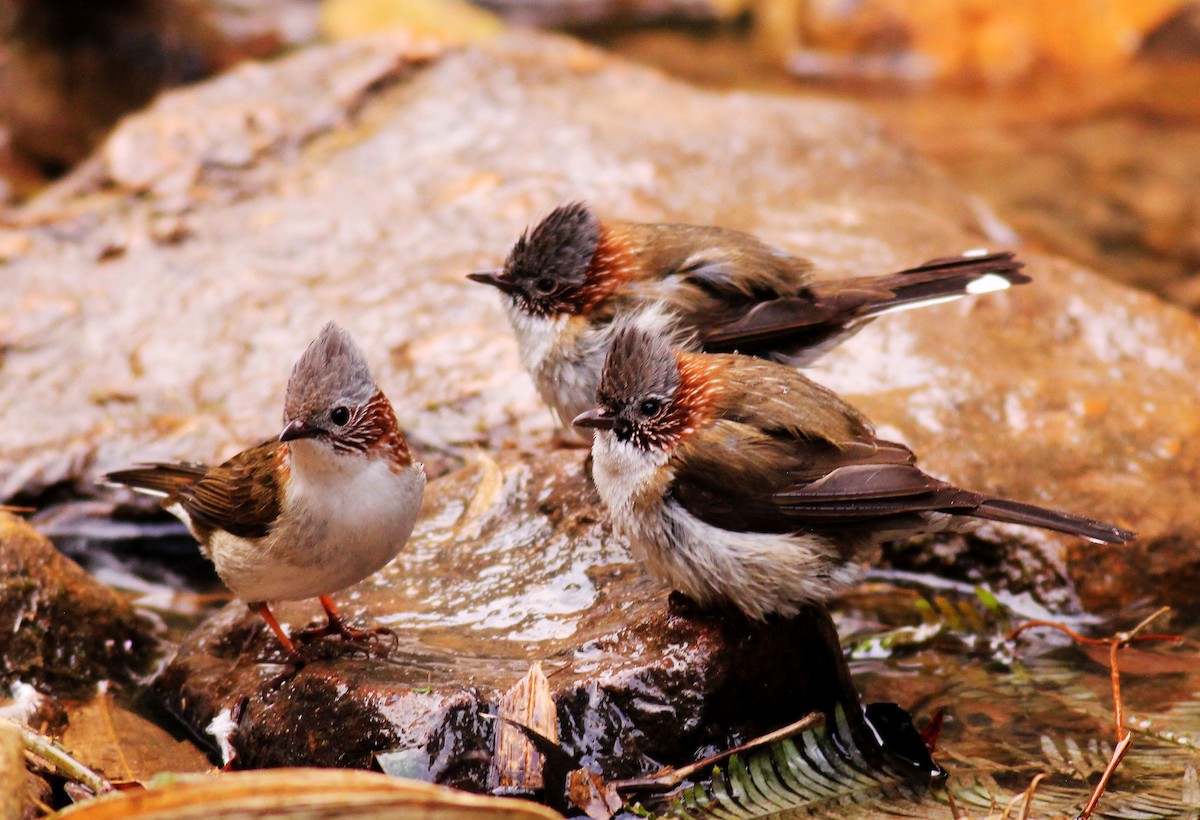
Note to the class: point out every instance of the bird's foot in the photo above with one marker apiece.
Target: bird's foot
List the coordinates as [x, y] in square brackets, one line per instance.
[366, 640]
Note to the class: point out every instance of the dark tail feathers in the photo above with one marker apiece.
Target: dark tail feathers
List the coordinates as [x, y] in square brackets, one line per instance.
[798, 329]
[943, 279]
[1014, 512]
[156, 479]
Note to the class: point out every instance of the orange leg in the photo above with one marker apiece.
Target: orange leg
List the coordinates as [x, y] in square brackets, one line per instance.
[330, 610]
[265, 612]
[337, 626]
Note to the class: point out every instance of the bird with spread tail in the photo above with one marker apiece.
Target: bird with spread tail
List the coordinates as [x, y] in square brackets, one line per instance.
[740, 482]
[329, 502]
[569, 279]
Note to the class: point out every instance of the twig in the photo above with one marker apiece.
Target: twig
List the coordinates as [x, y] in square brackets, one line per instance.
[670, 777]
[953, 806]
[1114, 643]
[54, 754]
[1117, 756]
[1029, 793]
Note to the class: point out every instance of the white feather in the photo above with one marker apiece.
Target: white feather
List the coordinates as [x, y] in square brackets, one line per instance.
[988, 283]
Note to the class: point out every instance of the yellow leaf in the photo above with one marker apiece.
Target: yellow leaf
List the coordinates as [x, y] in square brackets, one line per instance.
[454, 21]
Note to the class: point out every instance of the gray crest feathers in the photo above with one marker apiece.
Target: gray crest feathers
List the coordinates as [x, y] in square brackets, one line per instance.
[331, 370]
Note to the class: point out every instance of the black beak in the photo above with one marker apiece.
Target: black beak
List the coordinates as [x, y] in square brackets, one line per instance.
[597, 418]
[495, 278]
[298, 429]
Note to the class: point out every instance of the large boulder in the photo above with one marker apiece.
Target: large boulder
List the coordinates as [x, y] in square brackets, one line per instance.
[158, 297]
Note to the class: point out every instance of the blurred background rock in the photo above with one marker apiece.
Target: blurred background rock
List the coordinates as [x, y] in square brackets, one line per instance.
[1076, 121]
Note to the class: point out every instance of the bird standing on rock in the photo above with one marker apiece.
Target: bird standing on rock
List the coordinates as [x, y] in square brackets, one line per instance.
[739, 481]
[569, 278]
[329, 502]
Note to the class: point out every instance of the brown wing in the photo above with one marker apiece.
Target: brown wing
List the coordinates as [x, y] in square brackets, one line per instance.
[157, 479]
[733, 475]
[707, 273]
[739, 478]
[240, 496]
[782, 402]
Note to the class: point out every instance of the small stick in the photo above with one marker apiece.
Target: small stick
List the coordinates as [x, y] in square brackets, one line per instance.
[669, 777]
[1109, 770]
[1029, 793]
[1124, 736]
[54, 754]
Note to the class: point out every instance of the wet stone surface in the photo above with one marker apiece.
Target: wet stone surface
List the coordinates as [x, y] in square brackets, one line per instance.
[510, 564]
[359, 182]
[61, 630]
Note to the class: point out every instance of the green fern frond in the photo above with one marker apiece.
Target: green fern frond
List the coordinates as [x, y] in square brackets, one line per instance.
[816, 772]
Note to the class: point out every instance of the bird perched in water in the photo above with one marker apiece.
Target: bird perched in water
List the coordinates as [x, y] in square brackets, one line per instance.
[569, 278]
[329, 502]
[738, 480]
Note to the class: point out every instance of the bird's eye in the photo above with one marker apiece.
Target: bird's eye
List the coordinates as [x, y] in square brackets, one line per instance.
[339, 416]
[545, 285]
[650, 407]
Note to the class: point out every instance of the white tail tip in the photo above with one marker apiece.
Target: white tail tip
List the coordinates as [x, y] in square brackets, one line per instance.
[988, 283]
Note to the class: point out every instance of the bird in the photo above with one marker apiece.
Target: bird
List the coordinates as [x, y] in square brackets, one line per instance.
[328, 502]
[739, 481]
[570, 277]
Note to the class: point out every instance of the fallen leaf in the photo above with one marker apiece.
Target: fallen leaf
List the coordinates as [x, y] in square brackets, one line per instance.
[454, 21]
[301, 793]
[516, 762]
[589, 793]
[1133, 661]
[123, 746]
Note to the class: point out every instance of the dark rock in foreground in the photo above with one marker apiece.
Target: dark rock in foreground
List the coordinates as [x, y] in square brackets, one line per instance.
[60, 630]
[509, 565]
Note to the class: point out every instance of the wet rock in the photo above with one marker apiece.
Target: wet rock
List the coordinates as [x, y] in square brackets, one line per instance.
[359, 182]
[511, 564]
[62, 631]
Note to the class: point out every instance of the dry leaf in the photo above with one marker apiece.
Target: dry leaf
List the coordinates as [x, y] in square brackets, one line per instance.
[1132, 661]
[302, 793]
[517, 763]
[451, 21]
[125, 747]
[588, 792]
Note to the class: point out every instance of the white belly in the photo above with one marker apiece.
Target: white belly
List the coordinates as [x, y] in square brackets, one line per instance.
[759, 573]
[347, 518]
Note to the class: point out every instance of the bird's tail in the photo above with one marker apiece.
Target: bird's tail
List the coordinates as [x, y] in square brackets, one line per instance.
[798, 329]
[160, 480]
[1014, 512]
[940, 280]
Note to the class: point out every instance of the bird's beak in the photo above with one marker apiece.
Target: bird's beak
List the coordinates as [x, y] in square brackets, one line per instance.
[297, 429]
[495, 278]
[597, 418]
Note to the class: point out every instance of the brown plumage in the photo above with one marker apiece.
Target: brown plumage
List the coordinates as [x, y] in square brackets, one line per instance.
[329, 502]
[739, 479]
[240, 496]
[569, 278]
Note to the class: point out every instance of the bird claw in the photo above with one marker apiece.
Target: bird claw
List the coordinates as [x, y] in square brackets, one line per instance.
[365, 640]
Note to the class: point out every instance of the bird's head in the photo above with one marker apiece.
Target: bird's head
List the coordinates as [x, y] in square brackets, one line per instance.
[546, 272]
